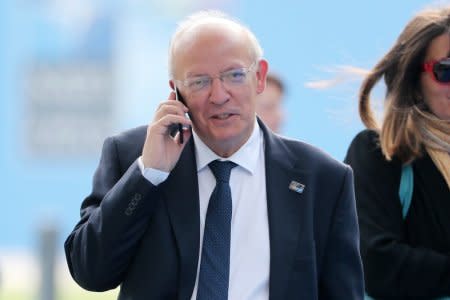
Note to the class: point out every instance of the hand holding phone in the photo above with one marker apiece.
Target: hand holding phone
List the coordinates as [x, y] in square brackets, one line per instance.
[162, 148]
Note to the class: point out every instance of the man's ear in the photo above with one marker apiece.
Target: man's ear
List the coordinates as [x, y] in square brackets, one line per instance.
[172, 84]
[261, 75]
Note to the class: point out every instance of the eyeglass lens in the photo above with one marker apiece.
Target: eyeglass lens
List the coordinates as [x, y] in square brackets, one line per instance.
[441, 70]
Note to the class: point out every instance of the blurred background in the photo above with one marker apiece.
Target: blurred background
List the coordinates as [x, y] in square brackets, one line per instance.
[75, 71]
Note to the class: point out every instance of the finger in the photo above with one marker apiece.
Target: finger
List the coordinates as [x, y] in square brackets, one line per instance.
[168, 109]
[172, 103]
[162, 125]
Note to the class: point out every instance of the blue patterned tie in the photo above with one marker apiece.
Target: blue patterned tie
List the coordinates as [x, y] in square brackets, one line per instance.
[215, 261]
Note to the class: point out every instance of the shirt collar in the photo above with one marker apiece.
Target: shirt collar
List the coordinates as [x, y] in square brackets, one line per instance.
[244, 157]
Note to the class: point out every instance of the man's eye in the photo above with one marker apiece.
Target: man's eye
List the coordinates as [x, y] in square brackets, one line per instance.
[198, 82]
[236, 75]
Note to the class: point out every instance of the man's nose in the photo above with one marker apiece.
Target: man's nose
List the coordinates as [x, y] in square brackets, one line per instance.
[218, 93]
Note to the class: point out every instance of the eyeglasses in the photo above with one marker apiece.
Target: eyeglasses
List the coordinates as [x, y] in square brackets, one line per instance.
[234, 77]
[439, 70]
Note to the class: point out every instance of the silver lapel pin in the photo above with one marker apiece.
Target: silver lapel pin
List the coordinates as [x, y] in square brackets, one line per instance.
[296, 186]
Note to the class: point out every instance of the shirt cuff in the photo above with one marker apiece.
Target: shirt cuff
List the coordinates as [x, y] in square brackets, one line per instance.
[155, 176]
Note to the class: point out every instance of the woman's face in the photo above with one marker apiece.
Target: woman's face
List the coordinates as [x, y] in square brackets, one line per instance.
[437, 95]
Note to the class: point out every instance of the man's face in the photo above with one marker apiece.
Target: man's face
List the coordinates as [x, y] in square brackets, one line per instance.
[223, 114]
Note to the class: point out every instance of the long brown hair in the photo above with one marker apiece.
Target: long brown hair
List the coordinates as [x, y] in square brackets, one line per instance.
[400, 68]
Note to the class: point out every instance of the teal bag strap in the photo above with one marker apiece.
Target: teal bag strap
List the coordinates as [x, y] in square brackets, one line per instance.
[405, 191]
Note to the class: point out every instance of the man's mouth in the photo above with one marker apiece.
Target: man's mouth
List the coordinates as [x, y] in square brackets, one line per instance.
[223, 116]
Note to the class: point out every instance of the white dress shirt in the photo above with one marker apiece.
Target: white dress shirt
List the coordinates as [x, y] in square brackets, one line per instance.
[250, 246]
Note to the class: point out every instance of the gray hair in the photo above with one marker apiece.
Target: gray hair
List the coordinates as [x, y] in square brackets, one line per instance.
[211, 16]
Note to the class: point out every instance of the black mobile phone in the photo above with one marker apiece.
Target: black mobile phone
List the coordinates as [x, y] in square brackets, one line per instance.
[180, 126]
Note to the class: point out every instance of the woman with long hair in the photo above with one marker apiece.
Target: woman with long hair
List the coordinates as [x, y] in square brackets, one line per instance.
[406, 246]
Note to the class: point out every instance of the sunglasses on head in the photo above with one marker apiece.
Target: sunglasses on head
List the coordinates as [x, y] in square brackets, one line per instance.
[439, 70]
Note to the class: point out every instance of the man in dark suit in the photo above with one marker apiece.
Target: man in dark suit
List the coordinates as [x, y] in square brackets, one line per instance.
[282, 225]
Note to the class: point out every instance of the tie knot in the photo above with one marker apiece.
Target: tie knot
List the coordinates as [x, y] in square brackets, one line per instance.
[222, 169]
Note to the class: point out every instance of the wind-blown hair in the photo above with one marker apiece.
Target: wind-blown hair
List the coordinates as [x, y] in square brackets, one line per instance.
[403, 132]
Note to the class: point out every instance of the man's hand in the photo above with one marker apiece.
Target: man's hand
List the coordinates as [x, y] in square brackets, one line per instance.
[161, 150]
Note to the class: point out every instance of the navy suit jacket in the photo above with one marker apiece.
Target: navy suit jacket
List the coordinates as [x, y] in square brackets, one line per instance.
[146, 238]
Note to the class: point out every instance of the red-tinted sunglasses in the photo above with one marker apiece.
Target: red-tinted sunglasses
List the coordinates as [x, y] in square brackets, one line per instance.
[439, 70]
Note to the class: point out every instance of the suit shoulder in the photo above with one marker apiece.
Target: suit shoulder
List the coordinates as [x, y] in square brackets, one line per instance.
[127, 144]
[312, 156]
[133, 134]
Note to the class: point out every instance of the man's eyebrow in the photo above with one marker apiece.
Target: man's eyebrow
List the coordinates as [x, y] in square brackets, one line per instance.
[192, 74]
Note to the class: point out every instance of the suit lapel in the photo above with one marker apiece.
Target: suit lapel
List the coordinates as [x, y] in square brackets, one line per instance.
[181, 190]
[290, 213]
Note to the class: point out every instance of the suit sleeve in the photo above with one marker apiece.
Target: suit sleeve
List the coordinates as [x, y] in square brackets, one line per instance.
[393, 268]
[114, 218]
[342, 275]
